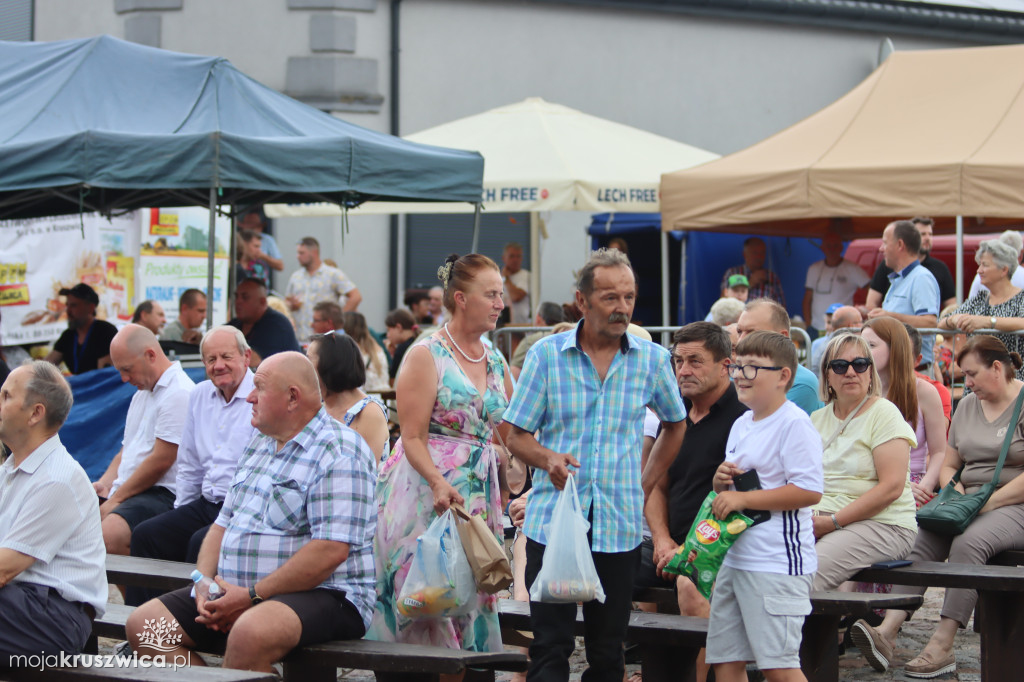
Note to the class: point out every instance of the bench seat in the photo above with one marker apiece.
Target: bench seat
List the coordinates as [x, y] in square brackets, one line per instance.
[319, 662]
[96, 674]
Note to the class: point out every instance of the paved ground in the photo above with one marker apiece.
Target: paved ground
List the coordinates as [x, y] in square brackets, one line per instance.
[851, 666]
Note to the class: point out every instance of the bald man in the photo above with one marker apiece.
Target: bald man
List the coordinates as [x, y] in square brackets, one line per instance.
[845, 317]
[139, 483]
[292, 546]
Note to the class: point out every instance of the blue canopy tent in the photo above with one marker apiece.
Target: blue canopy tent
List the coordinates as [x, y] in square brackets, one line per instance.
[105, 125]
[696, 260]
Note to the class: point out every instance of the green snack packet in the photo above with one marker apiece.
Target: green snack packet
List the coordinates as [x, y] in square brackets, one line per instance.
[706, 544]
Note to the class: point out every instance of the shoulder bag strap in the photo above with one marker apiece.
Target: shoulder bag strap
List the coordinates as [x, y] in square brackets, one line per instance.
[1010, 430]
[841, 427]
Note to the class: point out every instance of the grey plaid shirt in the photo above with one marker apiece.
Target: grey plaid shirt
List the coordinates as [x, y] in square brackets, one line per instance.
[320, 486]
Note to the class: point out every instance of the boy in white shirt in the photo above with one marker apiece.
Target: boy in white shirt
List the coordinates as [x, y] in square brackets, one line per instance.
[763, 589]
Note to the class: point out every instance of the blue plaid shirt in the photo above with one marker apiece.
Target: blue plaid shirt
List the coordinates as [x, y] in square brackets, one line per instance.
[561, 398]
[320, 486]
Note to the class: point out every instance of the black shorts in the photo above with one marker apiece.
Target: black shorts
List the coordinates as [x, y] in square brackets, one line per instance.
[325, 615]
[145, 505]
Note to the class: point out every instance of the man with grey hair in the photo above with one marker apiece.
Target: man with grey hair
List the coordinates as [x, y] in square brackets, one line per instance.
[726, 311]
[517, 284]
[139, 483]
[578, 409]
[52, 562]
[1012, 239]
[216, 432]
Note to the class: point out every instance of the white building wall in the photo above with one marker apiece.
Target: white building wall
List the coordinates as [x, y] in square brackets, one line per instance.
[720, 84]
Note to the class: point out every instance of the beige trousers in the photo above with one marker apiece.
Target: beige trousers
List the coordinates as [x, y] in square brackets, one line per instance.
[842, 553]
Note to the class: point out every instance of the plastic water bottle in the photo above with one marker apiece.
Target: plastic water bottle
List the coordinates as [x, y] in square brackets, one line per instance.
[205, 586]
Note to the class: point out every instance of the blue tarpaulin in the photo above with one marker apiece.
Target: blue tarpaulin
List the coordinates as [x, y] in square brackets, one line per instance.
[708, 256]
[94, 429]
[116, 125]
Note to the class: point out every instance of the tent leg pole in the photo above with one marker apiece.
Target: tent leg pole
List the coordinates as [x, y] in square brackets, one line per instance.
[682, 279]
[665, 319]
[476, 228]
[210, 257]
[535, 292]
[959, 259]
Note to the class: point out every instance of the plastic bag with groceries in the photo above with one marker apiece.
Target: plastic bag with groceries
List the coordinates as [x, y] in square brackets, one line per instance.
[440, 582]
[706, 545]
[567, 574]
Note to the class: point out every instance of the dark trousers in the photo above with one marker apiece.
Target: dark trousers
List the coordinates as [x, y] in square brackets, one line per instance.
[36, 620]
[175, 535]
[604, 624]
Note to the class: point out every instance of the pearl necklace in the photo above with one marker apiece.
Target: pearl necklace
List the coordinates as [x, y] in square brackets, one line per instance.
[452, 339]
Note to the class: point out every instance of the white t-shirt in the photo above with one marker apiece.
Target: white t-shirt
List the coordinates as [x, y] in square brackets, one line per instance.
[520, 311]
[1016, 279]
[832, 285]
[783, 448]
[159, 413]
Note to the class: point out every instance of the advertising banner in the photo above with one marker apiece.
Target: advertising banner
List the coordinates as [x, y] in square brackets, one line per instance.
[174, 257]
[40, 256]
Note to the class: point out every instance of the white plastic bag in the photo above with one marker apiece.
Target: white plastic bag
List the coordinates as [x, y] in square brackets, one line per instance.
[440, 582]
[568, 574]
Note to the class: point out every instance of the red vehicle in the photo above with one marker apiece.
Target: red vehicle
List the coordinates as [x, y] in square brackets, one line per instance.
[867, 254]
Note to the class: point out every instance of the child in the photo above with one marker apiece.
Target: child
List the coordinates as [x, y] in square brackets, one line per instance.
[763, 589]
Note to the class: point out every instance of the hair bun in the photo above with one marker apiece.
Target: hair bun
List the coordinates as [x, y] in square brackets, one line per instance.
[1016, 360]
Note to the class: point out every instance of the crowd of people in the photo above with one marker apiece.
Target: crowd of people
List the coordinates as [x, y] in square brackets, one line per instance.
[277, 475]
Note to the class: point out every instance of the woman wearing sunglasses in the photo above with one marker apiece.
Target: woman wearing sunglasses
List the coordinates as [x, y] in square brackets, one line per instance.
[866, 513]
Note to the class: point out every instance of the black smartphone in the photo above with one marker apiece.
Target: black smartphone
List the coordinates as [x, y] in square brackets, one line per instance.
[745, 482]
[892, 563]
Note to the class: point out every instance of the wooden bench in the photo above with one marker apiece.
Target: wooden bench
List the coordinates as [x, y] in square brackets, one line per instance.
[320, 662]
[669, 643]
[999, 615]
[819, 650]
[152, 573]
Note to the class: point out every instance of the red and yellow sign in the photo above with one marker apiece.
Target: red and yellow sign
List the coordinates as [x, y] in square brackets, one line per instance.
[13, 288]
[163, 224]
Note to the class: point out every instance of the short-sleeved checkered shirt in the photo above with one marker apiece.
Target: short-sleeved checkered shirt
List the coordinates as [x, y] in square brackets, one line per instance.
[561, 398]
[318, 487]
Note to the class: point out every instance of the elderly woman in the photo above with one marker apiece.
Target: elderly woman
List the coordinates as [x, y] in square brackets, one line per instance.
[451, 392]
[339, 365]
[867, 512]
[1001, 307]
[976, 437]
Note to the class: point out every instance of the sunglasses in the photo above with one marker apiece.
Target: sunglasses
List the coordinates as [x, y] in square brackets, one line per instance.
[841, 367]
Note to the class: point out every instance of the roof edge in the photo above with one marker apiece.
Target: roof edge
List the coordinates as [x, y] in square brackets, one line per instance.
[964, 24]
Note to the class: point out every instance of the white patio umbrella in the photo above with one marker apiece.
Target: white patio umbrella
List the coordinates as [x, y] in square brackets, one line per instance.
[540, 156]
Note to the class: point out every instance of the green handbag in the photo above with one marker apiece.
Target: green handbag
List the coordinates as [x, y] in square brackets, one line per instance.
[951, 512]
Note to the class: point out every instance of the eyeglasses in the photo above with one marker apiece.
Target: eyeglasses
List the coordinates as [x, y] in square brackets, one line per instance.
[840, 367]
[749, 372]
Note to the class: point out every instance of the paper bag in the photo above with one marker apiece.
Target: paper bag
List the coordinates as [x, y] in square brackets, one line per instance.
[486, 556]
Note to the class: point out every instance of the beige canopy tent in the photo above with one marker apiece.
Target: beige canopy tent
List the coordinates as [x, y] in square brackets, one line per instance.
[932, 132]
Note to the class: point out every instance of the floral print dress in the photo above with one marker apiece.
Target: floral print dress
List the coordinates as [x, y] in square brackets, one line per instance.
[459, 442]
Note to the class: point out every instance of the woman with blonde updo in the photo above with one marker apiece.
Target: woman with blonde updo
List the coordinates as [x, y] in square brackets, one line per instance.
[451, 392]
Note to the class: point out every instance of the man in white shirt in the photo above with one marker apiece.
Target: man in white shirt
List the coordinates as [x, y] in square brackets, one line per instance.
[832, 280]
[139, 483]
[52, 562]
[315, 282]
[517, 284]
[217, 429]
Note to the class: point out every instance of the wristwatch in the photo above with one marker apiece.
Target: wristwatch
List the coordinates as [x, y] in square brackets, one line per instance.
[253, 597]
[993, 322]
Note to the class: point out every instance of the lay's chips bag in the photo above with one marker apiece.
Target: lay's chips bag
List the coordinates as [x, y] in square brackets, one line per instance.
[709, 539]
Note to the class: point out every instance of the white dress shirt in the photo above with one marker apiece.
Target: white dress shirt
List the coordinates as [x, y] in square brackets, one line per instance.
[215, 435]
[159, 413]
[48, 511]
